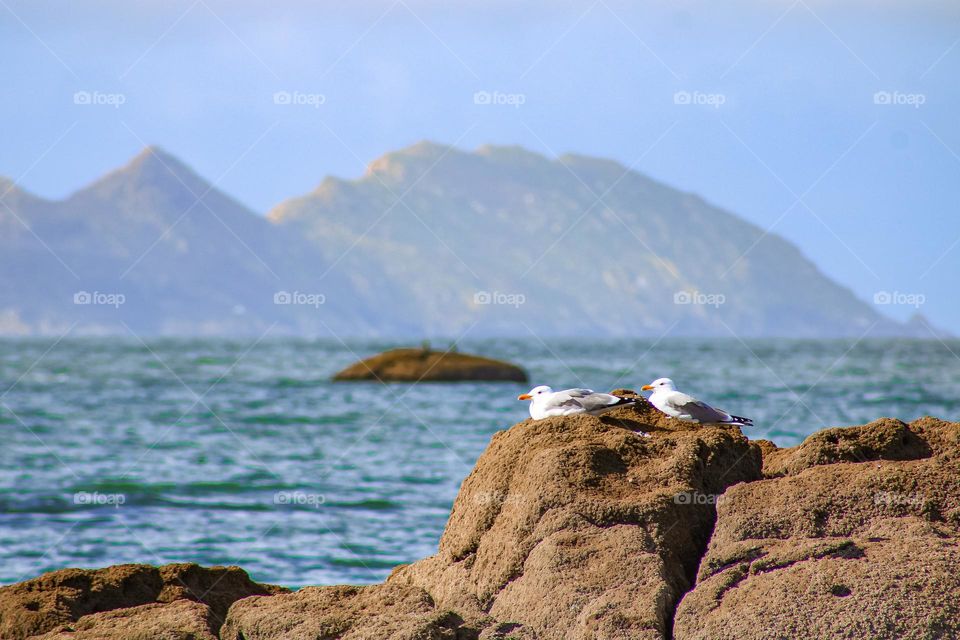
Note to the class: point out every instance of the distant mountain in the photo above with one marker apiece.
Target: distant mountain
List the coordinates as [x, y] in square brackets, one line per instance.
[519, 242]
[431, 241]
[154, 247]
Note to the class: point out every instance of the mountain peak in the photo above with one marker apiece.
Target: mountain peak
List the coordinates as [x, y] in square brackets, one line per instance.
[152, 168]
[424, 148]
[6, 186]
[576, 160]
[924, 328]
[512, 154]
[155, 159]
[395, 165]
[11, 192]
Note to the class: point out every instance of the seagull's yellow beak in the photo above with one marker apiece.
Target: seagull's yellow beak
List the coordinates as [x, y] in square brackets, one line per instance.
[525, 396]
[646, 387]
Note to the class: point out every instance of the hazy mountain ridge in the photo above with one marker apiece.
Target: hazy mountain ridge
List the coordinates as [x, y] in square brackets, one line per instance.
[431, 240]
[186, 259]
[506, 220]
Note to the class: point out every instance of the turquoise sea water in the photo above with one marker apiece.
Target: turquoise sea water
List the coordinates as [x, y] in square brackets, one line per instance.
[242, 452]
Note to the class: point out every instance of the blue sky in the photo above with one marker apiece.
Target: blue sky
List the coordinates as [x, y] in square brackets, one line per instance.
[833, 124]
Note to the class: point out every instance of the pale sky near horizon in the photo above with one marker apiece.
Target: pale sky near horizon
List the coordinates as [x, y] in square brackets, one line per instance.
[833, 124]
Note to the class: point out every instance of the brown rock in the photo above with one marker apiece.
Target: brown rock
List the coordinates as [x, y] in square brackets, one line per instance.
[63, 597]
[883, 439]
[346, 613]
[572, 526]
[424, 365]
[217, 587]
[838, 549]
[180, 620]
[567, 528]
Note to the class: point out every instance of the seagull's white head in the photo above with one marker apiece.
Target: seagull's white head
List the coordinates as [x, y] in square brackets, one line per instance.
[660, 384]
[536, 391]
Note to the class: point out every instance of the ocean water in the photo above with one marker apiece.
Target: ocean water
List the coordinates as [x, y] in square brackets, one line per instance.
[242, 452]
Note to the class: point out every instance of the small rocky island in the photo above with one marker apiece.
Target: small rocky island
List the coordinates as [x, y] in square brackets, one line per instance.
[627, 526]
[428, 365]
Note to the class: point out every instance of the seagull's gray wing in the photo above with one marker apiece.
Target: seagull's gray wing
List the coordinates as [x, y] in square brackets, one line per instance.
[699, 411]
[590, 400]
[569, 398]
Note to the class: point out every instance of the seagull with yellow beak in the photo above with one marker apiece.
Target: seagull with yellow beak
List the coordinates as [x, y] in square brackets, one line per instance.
[545, 402]
[679, 405]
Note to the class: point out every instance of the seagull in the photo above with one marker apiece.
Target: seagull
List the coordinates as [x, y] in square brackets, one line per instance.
[679, 405]
[547, 402]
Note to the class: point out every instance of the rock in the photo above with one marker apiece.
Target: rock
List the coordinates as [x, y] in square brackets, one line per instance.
[883, 439]
[346, 613]
[424, 365]
[567, 528]
[581, 527]
[179, 620]
[64, 597]
[217, 587]
[856, 537]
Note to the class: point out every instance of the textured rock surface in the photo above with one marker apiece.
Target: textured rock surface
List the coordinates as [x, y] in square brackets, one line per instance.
[179, 620]
[859, 539]
[424, 365]
[580, 527]
[61, 598]
[348, 613]
[567, 528]
[883, 439]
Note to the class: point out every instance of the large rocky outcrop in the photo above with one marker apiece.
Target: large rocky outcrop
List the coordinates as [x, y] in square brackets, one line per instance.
[574, 527]
[855, 535]
[627, 526]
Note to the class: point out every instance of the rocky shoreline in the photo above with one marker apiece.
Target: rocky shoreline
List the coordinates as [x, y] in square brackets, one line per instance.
[632, 525]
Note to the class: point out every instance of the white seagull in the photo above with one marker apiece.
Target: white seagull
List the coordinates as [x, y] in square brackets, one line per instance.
[679, 405]
[546, 402]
